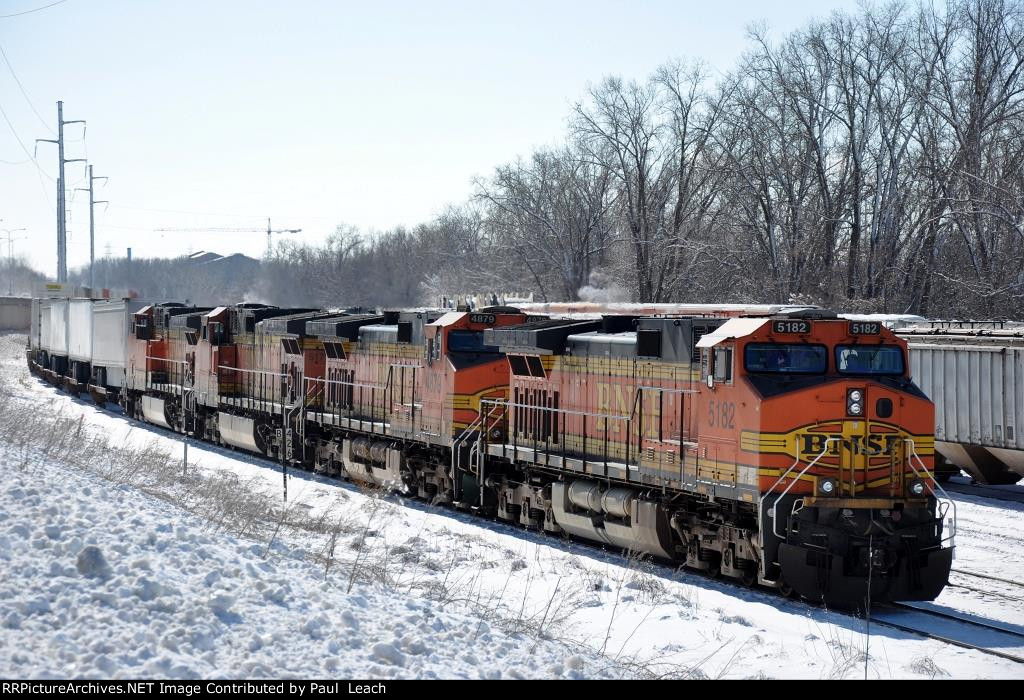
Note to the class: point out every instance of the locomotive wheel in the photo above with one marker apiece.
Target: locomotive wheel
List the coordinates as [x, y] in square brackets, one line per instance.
[785, 589]
[749, 577]
[713, 559]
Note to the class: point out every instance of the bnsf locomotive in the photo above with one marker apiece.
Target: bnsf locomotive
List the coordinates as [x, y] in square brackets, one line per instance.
[781, 447]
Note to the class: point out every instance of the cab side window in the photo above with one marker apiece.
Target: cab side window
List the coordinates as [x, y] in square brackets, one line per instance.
[722, 363]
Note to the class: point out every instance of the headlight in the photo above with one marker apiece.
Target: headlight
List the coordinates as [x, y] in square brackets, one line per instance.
[855, 402]
[916, 487]
[827, 487]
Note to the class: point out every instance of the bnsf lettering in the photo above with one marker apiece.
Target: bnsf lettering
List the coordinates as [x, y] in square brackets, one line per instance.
[617, 400]
[872, 445]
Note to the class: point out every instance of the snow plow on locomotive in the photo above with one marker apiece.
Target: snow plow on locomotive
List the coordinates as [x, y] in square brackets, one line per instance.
[788, 449]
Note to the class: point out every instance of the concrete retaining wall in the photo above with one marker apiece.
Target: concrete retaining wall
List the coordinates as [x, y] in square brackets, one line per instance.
[15, 313]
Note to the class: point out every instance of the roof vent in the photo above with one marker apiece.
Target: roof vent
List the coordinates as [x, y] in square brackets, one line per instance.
[810, 314]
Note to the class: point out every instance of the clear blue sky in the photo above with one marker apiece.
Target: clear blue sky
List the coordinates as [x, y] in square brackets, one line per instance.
[313, 113]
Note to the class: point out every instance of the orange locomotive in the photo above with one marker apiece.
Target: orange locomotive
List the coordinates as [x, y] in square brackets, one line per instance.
[159, 369]
[790, 450]
[249, 361]
[400, 396]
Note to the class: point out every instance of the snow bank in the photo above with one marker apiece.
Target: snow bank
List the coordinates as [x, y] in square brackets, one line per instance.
[238, 587]
[104, 581]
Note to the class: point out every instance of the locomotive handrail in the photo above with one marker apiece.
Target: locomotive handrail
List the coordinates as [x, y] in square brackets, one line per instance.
[589, 414]
[473, 426]
[339, 382]
[793, 466]
[771, 510]
[663, 390]
[252, 371]
[566, 411]
[167, 359]
[480, 419]
[637, 408]
[347, 409]
[925, 479]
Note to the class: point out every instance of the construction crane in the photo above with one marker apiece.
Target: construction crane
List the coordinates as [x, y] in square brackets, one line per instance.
[269, 231]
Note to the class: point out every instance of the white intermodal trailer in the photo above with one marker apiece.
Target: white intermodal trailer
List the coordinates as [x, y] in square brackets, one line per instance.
[111, 325]
[79, 342]
[54, 334]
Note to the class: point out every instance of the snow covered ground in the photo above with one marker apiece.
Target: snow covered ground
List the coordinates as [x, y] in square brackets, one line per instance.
[117, 562]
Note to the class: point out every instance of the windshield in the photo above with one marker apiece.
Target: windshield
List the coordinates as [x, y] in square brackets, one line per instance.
[468, 341]
[869, 359]
[785, 359]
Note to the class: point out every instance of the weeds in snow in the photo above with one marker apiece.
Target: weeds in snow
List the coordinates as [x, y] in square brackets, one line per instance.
[513, 593]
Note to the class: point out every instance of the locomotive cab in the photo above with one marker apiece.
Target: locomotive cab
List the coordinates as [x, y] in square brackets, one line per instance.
[159, 363]
[842, 441]
[465, 369]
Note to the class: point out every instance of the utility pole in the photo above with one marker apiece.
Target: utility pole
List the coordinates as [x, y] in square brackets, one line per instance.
[62, 233]
[10, 256]
[92, 225]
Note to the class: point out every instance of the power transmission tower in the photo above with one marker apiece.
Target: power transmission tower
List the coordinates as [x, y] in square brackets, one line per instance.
[92, 224]
[62, 233]
[11, 238]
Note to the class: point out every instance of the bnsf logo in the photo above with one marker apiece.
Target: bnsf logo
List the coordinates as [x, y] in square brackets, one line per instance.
[838, 440]
[872, 444]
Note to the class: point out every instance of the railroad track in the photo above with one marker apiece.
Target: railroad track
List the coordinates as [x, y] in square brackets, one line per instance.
[1012, 493]
[988, 576]
[888, 615]
[987, 591]
[960, 630]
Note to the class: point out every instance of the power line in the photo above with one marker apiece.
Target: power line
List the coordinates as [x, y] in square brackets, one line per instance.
[39, 170]
[28, 12]
[92, 223]
[193, 213]
[22, 88]
[207, 213]
[20, 143]
[161, 231]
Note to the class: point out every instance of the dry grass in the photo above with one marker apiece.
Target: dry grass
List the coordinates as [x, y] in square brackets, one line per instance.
[351, 541]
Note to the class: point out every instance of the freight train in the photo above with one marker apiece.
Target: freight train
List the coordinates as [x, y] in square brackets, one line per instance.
[781, 447]
[974, 371]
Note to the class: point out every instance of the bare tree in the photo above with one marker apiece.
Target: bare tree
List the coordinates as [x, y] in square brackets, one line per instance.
[553, 212]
